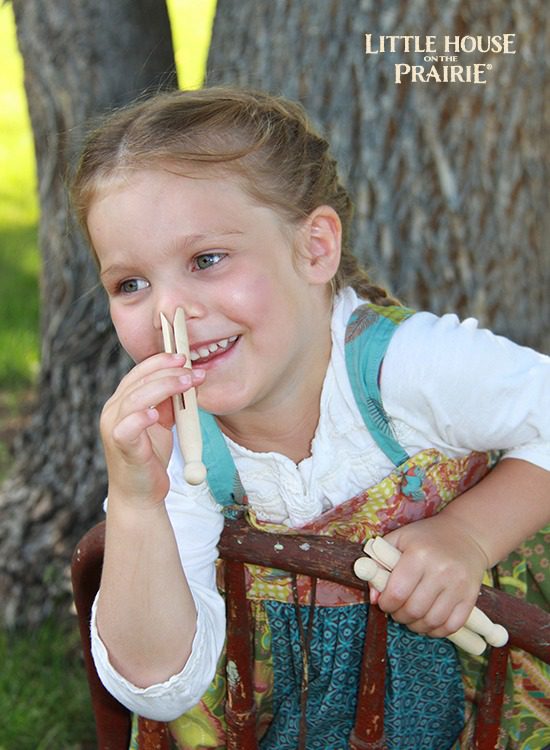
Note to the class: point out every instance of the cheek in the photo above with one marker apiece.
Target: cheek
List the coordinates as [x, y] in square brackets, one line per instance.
[251, 298]
[134, 337]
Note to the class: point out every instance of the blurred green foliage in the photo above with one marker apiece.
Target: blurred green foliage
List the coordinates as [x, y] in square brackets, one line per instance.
[19, 260]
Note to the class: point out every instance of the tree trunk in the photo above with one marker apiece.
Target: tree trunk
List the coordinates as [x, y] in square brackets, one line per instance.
[448, 178]
[81, 58]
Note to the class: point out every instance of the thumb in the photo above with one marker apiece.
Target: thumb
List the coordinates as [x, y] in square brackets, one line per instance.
[374, 595]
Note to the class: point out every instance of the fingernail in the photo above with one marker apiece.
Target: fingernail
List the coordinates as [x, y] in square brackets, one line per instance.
[198, 372]
[185, 379]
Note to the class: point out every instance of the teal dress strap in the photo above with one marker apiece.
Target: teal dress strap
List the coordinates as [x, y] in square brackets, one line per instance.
[368, 335]
[223, 477]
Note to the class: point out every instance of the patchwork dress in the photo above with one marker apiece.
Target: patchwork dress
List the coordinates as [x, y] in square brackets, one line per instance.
[429, 693]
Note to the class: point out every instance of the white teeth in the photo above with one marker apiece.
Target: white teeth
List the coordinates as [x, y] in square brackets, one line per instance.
[204, 351]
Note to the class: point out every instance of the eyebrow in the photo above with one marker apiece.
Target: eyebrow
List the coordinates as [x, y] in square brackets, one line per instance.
[116, 268]
[190, 239]
[200, 236]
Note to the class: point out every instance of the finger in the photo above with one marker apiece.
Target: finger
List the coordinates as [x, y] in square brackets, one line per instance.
[456, 619]
[445, 616]
[136, 379]
[130, 434]
[154, 367]
[156, 362]
[374, 595]
[167, 417]
[154, 391]
[399, 588]
[429, 619]
[189, 378]
[423, 606]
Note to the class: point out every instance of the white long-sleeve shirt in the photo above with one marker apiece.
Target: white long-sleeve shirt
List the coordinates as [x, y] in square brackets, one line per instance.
[445, 384]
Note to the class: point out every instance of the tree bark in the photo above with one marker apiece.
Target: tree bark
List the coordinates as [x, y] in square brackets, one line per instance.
[448, 178]
[81, 58]
[448, 181]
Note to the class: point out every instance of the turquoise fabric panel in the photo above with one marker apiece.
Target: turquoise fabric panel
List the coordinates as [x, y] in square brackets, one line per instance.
[424, 702]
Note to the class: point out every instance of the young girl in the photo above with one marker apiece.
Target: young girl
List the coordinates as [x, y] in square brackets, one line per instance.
[318, 413]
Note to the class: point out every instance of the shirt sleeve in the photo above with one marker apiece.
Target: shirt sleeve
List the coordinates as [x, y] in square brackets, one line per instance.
[466, 388]
[197, 524]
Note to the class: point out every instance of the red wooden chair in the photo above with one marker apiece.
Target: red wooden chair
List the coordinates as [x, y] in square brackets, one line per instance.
[319, 557]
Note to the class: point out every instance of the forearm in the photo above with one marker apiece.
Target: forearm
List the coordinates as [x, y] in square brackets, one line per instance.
[146, 615]
[507, 506]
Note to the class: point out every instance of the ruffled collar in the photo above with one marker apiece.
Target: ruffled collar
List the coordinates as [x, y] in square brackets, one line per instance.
[344, 458]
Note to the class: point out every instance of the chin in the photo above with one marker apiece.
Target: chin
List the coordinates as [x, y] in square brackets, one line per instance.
[222, 406]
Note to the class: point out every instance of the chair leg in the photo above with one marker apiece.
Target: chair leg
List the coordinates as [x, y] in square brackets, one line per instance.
[240, 709]
[368, 732]
[113, 721]
[490, 706]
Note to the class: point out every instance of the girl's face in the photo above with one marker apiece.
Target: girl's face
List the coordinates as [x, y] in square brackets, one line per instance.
[257, 317]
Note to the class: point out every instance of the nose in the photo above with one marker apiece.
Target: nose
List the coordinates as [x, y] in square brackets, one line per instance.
[169, 302]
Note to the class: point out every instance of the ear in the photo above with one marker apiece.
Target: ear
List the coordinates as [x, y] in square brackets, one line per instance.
[321, 245]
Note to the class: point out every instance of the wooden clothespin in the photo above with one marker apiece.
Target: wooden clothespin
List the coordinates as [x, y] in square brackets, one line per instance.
[383, 557]
[185, 405]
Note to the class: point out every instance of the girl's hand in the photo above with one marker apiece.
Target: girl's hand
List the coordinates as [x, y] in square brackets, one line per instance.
[435, 584]
[136, 424]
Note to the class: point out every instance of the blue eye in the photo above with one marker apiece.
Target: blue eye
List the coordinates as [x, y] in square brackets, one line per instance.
[206, 260]
[133, 285]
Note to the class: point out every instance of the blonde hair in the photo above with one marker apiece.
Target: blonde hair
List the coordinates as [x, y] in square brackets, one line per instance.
[266, 141]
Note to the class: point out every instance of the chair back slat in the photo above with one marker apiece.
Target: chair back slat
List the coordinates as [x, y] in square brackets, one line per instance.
[528, 625]
[240, 709]
[489, 709]
[152, 735]
[368, 732]
[315, 556]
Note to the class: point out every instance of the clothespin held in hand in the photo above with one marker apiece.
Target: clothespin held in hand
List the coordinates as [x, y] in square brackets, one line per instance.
[185, 406]
[383, 557]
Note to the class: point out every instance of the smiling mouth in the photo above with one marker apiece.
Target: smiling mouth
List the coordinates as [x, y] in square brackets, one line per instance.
[209, 351]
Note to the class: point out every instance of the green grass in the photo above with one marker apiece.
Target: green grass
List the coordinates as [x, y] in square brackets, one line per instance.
[44, 700]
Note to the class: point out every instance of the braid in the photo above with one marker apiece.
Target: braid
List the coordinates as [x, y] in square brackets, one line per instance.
[351, 273]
